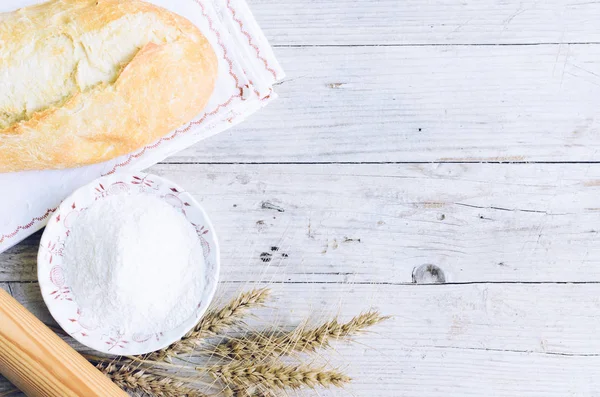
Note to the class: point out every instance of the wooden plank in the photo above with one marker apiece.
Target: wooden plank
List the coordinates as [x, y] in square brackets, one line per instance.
[20, 262]
[526, 340]
[29, 295]
[378, 223]
[424, 104]
[321, 22]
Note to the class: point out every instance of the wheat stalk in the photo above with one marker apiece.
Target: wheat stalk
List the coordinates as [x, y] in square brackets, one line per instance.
[242, 375]
[9, 392]
[214, 322]
[263, 345]
[135, 379]
[275, 375]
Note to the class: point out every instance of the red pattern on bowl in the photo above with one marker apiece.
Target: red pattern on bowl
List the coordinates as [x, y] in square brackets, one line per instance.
[54, 279]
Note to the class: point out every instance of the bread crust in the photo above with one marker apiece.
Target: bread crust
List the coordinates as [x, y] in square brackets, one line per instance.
[166, 84]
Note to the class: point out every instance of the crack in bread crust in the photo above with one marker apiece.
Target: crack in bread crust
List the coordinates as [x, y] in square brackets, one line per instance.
[88, 81]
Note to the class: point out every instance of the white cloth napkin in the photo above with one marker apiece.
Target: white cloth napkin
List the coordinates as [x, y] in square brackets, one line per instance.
[247, 71]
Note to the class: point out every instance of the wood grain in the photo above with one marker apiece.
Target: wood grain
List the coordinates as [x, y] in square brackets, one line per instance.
[513, 246]
[518, 339]
[423, 104]
[400, 22]
[40, 363]
[378, 223]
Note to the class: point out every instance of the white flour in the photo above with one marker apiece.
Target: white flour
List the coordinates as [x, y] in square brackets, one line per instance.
[134, 262]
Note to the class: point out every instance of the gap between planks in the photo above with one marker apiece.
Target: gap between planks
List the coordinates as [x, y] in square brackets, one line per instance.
[375, 283]
[437, 44]
[423, 104]
[477, 223]
[370, 162]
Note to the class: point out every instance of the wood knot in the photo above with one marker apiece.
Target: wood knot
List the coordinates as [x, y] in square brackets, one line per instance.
[428, 274]
[266, 257]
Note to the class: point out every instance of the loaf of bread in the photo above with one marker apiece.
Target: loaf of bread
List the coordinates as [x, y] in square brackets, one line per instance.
[86, 81]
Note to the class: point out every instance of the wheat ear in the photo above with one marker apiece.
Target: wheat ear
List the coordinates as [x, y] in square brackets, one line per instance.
[275, 375]
[213, 322]
[250, 391]
[135, 379]
[264, 345]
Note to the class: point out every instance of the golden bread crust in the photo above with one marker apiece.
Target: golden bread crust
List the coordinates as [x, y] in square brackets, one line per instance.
[108, 105]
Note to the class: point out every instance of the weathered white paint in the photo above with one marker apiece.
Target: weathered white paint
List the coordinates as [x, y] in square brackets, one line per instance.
[506, 238]
[477, 222]
[402, 104]
[322, 22]
[458, 340]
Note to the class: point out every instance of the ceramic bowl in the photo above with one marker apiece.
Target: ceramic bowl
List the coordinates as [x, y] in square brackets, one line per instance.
[53, 278]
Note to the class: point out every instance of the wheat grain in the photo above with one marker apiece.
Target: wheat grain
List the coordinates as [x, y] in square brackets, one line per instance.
[214, 322]
[135, 379]
[275, 375]
[244, 375]
[251, 391]
[262, 345]
[232, 314]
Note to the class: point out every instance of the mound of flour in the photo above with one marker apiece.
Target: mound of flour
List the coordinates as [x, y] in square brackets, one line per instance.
[135, 263]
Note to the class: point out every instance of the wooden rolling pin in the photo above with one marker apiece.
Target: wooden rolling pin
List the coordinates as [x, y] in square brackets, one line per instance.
[41, 364]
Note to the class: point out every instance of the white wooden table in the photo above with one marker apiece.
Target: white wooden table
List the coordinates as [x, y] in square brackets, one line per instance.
[438, 160]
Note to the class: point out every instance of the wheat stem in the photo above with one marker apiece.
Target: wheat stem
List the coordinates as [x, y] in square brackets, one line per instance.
[10, 392]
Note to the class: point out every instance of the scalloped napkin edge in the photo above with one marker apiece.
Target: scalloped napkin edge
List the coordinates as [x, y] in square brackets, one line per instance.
[248, 70]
